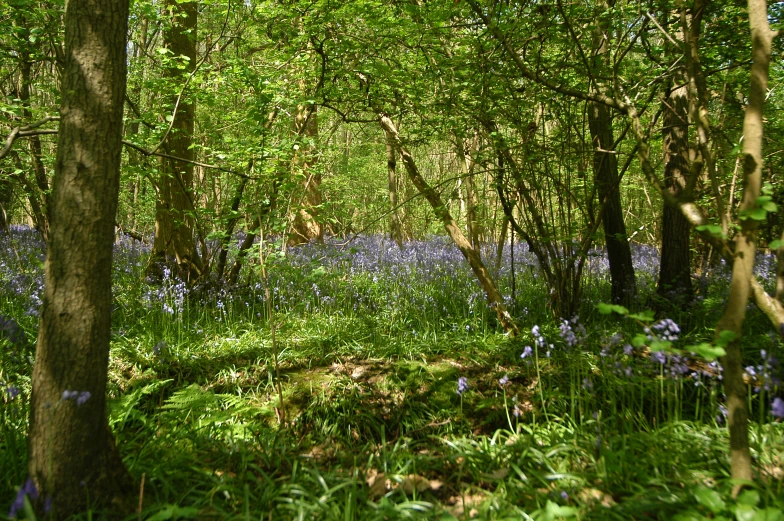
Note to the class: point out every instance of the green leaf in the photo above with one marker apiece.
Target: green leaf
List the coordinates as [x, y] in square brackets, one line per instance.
[639, 340]
[175, 512]
[713, 229]
[726, 337]
[688, 515]
[707, 351]
[556, 511]
[710, 499]
[745, 513]
[749, 497]
[775, 245]
[660, 345]
[769, 514]
[645, 316]
[606, 309]
[756, 214]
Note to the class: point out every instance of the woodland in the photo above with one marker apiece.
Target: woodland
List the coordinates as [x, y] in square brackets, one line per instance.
[391, 259]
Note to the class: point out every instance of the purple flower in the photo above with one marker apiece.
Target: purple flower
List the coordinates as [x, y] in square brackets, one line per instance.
[28, 489]
[777, 407]
[83, 397]
[527, 351]
[587, 384]
[667, 329]
[564, 495]
[79, 397]
[723, 413]
[462, 385]
[160, 346]
[12, 391]
[504, 380]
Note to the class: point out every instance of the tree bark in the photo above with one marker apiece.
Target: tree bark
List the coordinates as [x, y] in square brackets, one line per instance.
[745, 245]
[6, 196]
[396, 229]
[71, 449]
[306, 227]
[605, 169]
[675, 267]
[174, 245]
[494, 299]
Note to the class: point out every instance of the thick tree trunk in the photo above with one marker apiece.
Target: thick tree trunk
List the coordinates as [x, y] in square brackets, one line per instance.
[494, 298]
[605, 167]
[174, 245]
[745, 245]
[72, 453]
[675, 267]
[396, 229]
[305, 226]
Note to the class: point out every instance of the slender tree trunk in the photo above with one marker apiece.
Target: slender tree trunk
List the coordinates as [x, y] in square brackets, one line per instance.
[174, 245]
[6, 196]
[39, 170]
[605, 164]
[234, 216]
[745, 245]
[494, 298]
[467, 195]
[71, 449]
[675, 267]
[396, 229]
[605, 169]
[306, 226]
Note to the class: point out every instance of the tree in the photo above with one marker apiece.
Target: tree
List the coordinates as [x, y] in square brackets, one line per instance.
[174, 244]
[605, 168]
[675, 267]
[72, 456]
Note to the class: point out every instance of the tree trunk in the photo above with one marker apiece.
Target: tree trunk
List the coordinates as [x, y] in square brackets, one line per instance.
[6, 196]
[174, 245]
[675, 267]
[745, 245]
[306, 226]
[39, 170]
[494, 298]
[605, 167]
[71, 449]
[396, 229]
[468, 200]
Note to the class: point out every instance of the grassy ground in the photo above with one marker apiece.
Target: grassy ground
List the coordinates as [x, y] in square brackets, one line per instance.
[372, 345]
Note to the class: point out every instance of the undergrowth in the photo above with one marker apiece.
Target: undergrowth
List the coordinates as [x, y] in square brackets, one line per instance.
[402, 398]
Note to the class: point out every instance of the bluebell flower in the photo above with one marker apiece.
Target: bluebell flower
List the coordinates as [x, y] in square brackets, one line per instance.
[777, 407]
[12, 391]
[503, 380]
[667, 329]
[28, 489]
[462, 385]
[527, 351]
[83, 397]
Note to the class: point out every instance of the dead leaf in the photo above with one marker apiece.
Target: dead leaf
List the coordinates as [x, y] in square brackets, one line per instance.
[498, 474]
[414, 482]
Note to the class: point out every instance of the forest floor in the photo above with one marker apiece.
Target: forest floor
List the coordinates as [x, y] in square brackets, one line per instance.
[390, 393]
